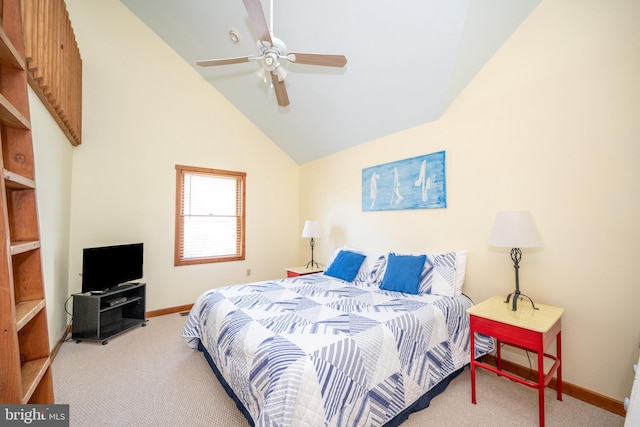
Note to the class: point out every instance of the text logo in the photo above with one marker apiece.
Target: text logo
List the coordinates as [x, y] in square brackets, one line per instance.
[34, 415]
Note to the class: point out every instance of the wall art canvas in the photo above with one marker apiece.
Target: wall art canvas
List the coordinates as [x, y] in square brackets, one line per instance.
[415, 183]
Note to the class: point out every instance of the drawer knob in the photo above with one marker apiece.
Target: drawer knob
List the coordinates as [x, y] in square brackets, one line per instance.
[626, 403]
[635, 368]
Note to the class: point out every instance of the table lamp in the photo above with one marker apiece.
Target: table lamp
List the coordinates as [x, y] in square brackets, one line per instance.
[312, 229]
[515, 230]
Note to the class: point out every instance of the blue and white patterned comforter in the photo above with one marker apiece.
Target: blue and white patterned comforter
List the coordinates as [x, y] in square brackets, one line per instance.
[317, 351]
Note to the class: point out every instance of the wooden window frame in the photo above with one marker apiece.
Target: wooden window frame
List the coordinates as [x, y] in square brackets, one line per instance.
[240, 178]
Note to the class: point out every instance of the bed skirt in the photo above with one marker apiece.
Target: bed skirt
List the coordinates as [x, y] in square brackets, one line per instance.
[422, 403]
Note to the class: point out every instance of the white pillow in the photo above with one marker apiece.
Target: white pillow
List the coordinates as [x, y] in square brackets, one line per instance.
[461, 268]
[337, 251]
[372, 270]
[443, 273]
[448, 272]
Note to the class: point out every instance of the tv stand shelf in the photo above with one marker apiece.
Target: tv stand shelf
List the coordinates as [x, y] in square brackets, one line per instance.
[98, 317]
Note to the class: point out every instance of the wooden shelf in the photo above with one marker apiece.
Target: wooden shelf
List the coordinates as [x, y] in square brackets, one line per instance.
[11, 117]
[27, 310]
[32, 373]
[22, 247]
[17, 181]
[8, 54]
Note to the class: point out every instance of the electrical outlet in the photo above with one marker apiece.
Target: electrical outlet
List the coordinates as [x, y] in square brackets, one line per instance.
[248, 272]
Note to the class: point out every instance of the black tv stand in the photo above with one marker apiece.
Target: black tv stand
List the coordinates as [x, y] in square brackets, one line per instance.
[99, 317]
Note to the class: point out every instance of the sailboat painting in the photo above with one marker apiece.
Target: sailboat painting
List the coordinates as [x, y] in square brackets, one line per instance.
[415, 183]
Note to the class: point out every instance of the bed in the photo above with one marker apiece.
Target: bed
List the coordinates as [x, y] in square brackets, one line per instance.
[323, 350]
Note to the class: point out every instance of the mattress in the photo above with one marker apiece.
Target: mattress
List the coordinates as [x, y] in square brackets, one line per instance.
[317, 351]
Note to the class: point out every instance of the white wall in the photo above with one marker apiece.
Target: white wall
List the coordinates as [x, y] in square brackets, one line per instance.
[552, 125]
[53, 161]
[144, 111]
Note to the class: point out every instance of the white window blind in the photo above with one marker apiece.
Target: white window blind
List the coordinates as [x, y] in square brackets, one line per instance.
[210, 216]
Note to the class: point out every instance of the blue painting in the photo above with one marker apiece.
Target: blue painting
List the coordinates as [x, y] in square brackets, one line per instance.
[416, 183]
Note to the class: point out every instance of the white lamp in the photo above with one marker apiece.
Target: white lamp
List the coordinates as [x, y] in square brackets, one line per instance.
[515, 230]
[312, 229]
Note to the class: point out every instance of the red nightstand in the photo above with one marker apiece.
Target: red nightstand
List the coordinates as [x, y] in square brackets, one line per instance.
[302, 271]
[526, 328]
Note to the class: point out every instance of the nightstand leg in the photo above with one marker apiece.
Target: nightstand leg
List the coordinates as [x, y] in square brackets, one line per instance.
[541, 386]
[559, 372]
[473, 368]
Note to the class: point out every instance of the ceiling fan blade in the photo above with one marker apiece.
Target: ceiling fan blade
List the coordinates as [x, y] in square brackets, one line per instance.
[281, 90]
[256, 15]
[225, 61]
[318, 59]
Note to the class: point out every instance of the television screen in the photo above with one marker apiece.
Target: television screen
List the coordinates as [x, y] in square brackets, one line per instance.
[109, 266]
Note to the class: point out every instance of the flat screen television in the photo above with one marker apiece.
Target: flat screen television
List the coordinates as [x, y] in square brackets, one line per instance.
[106, 267]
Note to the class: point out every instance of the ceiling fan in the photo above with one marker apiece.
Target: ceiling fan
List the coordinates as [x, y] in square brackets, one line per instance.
[271, 51]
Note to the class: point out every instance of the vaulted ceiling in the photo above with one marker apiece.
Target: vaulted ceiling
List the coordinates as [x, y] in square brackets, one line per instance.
[407, 61]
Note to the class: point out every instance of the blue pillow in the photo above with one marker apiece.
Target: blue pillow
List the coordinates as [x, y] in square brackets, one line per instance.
[403, 273]
[345, 266]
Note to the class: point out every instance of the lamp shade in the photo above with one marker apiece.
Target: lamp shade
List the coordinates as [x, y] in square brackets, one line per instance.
[515, 229]
[311, 229]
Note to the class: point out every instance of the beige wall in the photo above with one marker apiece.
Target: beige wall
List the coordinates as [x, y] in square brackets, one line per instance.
[144, 111]
[53, 157]
[552, 125]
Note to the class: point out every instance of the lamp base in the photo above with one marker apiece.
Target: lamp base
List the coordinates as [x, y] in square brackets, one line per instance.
[516, 296]
[312, 263]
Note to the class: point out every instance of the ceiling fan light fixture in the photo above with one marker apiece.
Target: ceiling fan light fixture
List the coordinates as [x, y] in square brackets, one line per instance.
[281, 72]
[270, 61]
[262, 75]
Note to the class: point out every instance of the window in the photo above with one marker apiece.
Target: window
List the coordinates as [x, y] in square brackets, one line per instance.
[210, 215]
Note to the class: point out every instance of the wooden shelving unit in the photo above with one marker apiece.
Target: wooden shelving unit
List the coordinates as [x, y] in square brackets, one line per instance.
[25, 364]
